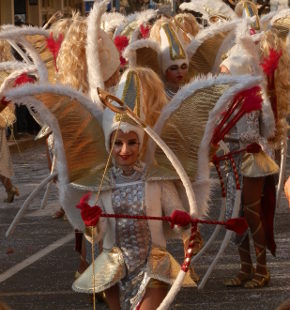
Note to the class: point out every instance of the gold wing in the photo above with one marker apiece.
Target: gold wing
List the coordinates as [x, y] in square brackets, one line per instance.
[144, 53]
[148, 57]
[39, 43]
[203, 59]
[184, 129]
[206, 46]
[82, 134]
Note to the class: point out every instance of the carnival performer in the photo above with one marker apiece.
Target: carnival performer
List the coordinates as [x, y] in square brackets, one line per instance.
[134, 267]
[73, 63]
[257, 172]
[6, 168]
[174, 60]
[7, 118]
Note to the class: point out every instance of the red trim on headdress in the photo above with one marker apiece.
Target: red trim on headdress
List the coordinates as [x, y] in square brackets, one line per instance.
[121, 42]
[54, 46]
[144, 30]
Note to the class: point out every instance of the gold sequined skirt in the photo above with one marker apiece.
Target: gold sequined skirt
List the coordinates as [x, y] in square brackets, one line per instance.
[258, 165]
[109, 268]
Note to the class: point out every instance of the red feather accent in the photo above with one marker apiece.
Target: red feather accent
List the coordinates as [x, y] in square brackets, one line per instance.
[23, 79]
[90, 215]
[54, 45]
[144, 30]
[238, 225]
[121, 42]
[270, 63]
[246, 101]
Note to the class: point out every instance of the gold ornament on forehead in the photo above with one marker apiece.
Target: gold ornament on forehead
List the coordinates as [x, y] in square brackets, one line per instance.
[175, 48]
[131, 97]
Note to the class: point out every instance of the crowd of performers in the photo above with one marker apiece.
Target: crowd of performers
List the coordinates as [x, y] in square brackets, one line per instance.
[137, 110]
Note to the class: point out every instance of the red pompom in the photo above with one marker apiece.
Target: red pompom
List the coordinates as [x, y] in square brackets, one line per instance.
[270, 63]
[238, 225]
[90, 215]
[180, 218]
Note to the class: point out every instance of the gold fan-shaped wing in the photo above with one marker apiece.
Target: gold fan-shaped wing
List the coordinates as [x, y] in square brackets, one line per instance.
[39, 43]
[184, 129]
[148, 57]
[203, 60]
[82, 134]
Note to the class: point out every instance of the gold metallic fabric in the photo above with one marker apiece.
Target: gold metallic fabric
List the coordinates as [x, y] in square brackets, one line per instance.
[82, 135]
[175, 48]
[258, 165]
[39, 43]
[163, 267]
[148, 57]
[184, 129]
[203, 59]
[7, 116]
[109, 268]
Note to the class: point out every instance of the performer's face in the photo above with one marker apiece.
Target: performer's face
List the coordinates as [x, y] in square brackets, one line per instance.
[176, 74]
[125, 148]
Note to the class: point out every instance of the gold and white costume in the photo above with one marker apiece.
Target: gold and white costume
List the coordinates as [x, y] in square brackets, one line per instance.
[134, 251]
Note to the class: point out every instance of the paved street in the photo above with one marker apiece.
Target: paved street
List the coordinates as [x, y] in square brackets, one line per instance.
[38, 262]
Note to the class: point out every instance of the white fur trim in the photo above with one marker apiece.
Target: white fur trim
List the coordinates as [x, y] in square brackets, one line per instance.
[95, 78]
[110, 21]
[266, 18]
[209, 32]
[16, 65]
[42, 70]
[146, 15]
[268, 120]
[15, 33]
[34, 89]
[217, 6]
[227, 44]
[20, 51]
